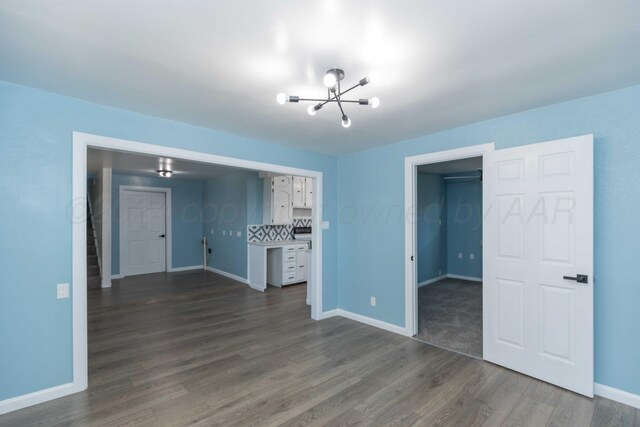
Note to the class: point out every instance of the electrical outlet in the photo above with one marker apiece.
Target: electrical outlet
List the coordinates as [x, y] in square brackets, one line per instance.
[230, 233]
[62, 291]
[439, 272]
[472, 256]
[212, 231]
[224, 232]
[373, 301]
[460, 255]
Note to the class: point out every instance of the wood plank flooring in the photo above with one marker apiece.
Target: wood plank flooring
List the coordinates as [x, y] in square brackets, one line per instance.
[196, 348]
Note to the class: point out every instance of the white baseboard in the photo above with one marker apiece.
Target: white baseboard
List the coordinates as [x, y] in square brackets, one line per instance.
[190, 267]
[229, 275]
[617, 395]
[430, 281]
[19, 402]
[373, 322]
[117, 276]
[328, 314]
[457, 276]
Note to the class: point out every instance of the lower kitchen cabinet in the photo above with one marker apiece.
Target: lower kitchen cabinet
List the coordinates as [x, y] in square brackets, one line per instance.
[287, 265]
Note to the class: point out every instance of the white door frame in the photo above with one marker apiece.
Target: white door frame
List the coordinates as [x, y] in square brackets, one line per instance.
[168, 265]
[78, 210]
[410, 230]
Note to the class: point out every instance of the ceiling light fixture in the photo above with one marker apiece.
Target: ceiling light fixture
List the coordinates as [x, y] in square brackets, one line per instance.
[164, 173]
[332, 80]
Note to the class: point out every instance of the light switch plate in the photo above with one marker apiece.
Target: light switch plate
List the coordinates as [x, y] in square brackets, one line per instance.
[62, 290]
[325, 225]
[239, 233]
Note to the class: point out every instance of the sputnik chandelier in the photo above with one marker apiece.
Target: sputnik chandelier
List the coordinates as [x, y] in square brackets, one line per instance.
[334, 94]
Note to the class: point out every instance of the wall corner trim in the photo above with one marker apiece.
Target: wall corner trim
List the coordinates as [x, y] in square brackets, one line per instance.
[30, 399]
[229, 275]
[617, 395]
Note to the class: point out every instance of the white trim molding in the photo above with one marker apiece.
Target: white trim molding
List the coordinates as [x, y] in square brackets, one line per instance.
[187, 268]
[367, 321]
[328, 314]
[81, 142]
[459, 277]
[434, 280]
[617, 395]
[26, 400]
[410, 200]
[229, 275]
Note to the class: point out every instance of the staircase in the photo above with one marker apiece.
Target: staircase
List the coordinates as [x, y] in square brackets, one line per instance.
[93, 264]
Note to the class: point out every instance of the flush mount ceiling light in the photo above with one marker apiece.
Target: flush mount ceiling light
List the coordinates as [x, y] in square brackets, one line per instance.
[332, 80]
[164, 173]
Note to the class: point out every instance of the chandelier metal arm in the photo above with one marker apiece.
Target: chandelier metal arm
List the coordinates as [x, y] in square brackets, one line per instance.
[332, 80]
[326, 101]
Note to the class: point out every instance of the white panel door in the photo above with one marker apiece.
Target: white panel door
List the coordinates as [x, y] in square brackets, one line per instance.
[538, 236]
[145, 232]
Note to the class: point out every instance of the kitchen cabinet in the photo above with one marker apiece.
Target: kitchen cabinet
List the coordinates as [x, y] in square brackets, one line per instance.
[308, 192]
[278, 200]
[287, 264]
[299, 193]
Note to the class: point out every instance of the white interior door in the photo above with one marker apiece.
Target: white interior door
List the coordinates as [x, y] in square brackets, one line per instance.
[538, 235]
[145, 232]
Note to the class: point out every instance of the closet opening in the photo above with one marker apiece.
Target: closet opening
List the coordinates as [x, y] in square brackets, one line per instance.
[449, 255]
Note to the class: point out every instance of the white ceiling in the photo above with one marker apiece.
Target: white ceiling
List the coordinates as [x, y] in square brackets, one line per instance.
[140, 164]
[453, 166]
[219, 64]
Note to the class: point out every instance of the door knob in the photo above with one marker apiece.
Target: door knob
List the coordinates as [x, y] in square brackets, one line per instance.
[162, 235]
[580, 278]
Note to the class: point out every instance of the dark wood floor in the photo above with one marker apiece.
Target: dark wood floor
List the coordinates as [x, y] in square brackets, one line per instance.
[195, 348]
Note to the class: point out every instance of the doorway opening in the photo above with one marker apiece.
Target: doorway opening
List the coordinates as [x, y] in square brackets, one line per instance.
[214, 210]
[449, 255]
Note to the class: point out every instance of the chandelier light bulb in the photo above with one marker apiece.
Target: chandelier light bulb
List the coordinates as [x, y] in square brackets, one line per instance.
[281, 98]
[374, 102]
[312, 110]
[346, 122]
[330, 79]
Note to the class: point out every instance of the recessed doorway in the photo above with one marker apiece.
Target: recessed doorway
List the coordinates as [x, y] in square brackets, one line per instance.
[449, 254]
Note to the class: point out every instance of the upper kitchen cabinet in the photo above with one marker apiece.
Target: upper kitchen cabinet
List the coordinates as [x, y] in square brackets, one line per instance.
[299, 193]
[287, 197]
[308, 192]
[302, 192]
[278, 200]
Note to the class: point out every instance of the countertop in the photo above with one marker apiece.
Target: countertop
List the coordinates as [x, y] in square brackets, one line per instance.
[279, 242]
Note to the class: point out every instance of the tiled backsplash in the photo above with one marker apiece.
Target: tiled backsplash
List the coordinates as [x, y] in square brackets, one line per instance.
[306, 222]
[268, 233]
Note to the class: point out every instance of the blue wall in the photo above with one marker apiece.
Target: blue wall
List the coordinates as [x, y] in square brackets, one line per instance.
[464, 227]
[231, 202]
[365, 242]
[35, 199]
[186, 218]
[371, 251]
[431, 226]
